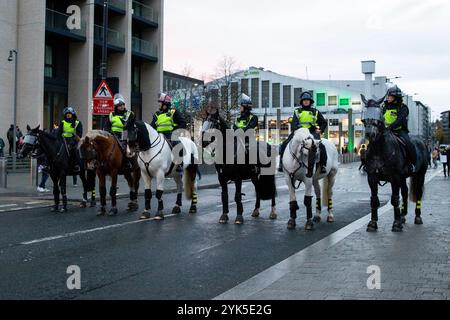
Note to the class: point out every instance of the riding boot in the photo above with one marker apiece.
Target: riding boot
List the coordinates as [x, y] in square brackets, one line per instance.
[323, 158]
[410, 151]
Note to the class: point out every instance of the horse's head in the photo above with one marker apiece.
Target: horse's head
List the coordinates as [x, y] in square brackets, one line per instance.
[372, 117]
[306, 148]
[88, 152]
[30, 143]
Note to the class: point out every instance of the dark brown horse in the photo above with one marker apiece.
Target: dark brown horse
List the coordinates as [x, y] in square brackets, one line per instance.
[101, 149]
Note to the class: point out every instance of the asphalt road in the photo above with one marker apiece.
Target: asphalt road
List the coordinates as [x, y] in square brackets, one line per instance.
[182, 257]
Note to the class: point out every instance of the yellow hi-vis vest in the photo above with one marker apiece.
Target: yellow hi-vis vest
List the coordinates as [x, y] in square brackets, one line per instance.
[307, 118]
[117, 122]
[390, 116]
[68, 130]
[241, 123]
[164, 121]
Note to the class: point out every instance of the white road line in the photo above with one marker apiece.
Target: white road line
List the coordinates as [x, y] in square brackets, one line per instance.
[72, 234]
[33, 202]
[8, 205]
[264, 279]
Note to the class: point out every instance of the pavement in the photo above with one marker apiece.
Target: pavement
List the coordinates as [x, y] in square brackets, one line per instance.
[194, 257]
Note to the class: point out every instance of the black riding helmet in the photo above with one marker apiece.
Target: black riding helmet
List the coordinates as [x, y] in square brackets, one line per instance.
[306, 96]
[396, 93]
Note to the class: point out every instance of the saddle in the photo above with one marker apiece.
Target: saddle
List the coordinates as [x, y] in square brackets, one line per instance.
[402, 145]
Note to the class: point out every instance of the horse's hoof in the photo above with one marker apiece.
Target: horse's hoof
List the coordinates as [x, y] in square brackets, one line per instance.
[176, 210]
[112, 212]
[397, 226]
[83, 205]
[193, 209]
[255, 213]
[291, 224]
[330, 219]
[145, 215]
[273, 215]
[223, 219]
[418, 220]
[159, 216]
[309, 225]
[317, 219]
[372, 226]
[54, 209]
[403, 219]
[239, 220]
[63, 210]
[132, 206]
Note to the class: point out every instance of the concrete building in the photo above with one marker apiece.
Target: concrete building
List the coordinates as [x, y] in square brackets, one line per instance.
[174, 81]
[59, 61]
[445, 121]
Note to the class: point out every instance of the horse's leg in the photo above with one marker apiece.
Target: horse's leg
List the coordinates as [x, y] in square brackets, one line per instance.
[224, 198]
[148, 196]
[374, 202]
[62, 187]
[179, 202]
[273, 212]
[238, 199]
[395, 201]
[55, 207]
[404, 207]
[159, 193]
[102, 188]
[256, 212]
[418, 189]
[91, 175]
[331, 179]
[82, 175]
[307, 201]
[113, 194]
[193, 208]
[293, 206]
[316, 185]
[131, 180]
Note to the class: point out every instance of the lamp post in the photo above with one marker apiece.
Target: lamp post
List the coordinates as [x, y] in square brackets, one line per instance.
[13, 57]
[266, 133]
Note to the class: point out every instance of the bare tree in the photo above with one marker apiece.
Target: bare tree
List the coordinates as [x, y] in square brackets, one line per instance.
[187, 70]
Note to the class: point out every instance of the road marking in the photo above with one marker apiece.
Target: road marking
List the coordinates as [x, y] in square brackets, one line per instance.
[264, 279]
[33, 202]
[72, 234]
[8, 205]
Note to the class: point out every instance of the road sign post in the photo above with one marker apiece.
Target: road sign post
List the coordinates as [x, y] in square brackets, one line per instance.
[103, 100]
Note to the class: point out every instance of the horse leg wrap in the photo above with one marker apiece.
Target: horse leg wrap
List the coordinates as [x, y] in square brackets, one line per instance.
[148, 198]
[194, 198]
[330, 204]
[133, 195]
[418, 210]
[293, 207]
[103, 196]
[179, 200]
[112, 194]
[318, 204]
[307, 201]
[93, 194]
[395, 201]
[159, 194]
[225, 202]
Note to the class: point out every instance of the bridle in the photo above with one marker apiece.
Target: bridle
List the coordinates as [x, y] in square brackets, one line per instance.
[297, 159]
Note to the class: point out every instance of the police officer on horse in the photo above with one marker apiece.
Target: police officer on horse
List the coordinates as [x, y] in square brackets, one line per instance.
[396, 120]
[70, 131]
[306, 116]
[246, 119]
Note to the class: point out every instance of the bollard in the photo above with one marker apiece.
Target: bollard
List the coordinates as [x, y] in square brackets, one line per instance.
[34, 173]
[3, 173]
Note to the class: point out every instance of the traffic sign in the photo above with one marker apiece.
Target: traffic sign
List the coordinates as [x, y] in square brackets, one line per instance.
[103, 99]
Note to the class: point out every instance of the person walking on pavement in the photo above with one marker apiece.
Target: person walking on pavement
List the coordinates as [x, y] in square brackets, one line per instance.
[445, 161]
[306, 116]
[10, 136]
[434, 157]
[2, 148]
[43, 169]
[363, 156]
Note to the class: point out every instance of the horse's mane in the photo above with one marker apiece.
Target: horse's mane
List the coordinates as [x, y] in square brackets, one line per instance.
[48, 135]
[301, 134]
[98, 134]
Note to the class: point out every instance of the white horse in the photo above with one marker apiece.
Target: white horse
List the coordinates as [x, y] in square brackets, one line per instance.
[156, 160]
[299, 160]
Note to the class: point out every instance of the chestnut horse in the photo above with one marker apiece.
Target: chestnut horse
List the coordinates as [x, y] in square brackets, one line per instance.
[101, 149]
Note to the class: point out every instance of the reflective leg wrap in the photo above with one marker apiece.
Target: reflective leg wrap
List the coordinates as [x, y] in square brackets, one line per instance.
[148, 198]
[103, 196]
[307, 201]
[194, 198]
[159, 194]
[419, 204]
[293, 207]
[179, 199]
[330, 204]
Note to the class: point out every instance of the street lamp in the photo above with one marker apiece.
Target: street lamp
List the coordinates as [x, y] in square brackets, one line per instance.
[13, 54]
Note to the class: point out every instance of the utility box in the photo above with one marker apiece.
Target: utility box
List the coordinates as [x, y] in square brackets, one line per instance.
[368, 66]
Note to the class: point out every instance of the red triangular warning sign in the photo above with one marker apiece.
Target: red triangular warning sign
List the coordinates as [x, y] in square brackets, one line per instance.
[103, 91]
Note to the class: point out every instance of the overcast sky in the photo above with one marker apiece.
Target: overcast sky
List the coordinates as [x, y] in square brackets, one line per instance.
[407, 38]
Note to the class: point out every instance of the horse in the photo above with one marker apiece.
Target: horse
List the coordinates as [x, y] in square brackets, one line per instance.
[299, 159]
[156, 160]
[56, 151]
[102, 150]
[264, 184]
[386, 161]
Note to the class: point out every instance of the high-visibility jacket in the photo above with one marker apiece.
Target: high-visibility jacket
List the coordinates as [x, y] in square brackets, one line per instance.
[390, 116]
[164, 121]
[118, 121]
[242, 123]
[307, 118]
[68, 130]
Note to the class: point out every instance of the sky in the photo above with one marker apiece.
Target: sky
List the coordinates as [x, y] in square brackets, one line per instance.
[328, 38]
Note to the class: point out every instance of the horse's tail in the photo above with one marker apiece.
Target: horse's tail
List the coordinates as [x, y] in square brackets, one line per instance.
[190, 173]
[325, 188]
[266, 187]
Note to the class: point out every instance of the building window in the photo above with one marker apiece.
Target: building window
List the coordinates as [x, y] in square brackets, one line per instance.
[297, 94]
[234, 94]
[255, 92]
[332, 100]
[275, 95]
[49, 63]
[320, 99]
[136, 77]
[333, 122]
[244, 86]
[344, 101]
[287, 96]
[265, 93]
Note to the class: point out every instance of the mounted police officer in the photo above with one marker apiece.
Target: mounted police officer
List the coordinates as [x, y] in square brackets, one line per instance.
[71, 131]
[396, 120]
[246, 119]
[119, 120]
[306, 116]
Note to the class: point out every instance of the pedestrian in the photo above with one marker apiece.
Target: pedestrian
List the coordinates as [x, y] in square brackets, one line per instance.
[434, 157]
[2, 147]
[445, 161]
[43, 169]
[9, 136]
[363, 156]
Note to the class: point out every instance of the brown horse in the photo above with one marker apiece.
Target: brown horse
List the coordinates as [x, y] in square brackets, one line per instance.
[102, 149]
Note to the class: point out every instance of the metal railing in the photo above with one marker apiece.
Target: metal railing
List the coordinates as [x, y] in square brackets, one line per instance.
[58, 21]
[348, 157]
[145, 12]
[115, 38]
[144, 47]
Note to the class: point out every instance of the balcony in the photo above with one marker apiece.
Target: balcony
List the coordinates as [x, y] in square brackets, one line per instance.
[145, 15]
[116, 40]
[118, 6]
[144, 49]
[56, 22]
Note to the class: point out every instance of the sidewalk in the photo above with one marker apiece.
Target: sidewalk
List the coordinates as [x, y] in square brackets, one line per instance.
[414, 264]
